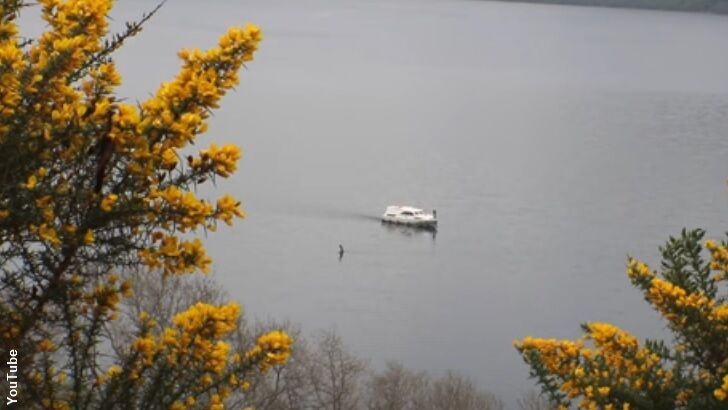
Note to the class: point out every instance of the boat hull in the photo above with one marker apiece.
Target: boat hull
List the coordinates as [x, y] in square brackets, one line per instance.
[413, 223]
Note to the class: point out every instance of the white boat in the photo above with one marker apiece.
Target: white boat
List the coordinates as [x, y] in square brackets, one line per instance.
[408, 215]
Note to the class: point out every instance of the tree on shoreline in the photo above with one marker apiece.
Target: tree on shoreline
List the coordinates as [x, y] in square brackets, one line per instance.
[90, 186]
[616, 372]
[322, 372]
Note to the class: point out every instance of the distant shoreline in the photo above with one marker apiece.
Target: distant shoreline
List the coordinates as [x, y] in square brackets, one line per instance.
[701, 6]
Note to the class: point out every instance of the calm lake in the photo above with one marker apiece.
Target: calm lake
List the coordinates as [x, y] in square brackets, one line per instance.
[553, 141]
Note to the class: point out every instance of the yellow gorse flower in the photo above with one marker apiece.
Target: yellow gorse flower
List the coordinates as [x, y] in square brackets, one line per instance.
[48, 234]
[114, 371]
[223, 161]
[227, 208]
[274, 347]
[208, 319]
[721, 393]
[89, 237]
[46, 345]
[107, 204]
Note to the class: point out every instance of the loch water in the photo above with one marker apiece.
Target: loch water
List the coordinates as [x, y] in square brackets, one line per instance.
[552, 140]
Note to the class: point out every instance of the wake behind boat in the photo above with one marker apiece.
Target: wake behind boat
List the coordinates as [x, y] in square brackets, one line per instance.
[408, 215]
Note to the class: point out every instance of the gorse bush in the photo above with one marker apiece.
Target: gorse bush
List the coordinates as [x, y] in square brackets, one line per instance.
[90, 186]
[609, 369]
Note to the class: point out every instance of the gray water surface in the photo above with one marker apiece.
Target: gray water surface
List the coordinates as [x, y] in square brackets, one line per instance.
[553, 141]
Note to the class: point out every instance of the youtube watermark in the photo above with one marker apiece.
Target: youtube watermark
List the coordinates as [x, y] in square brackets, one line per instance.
[11, 378]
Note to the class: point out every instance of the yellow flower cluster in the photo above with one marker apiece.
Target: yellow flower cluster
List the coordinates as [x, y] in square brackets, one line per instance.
[46, 345]
[102, 80]
[223, 161]
[721, 393]
[185, 212]
[185, 209]
[194, 348]
[34, 178]
[638, 270]
[557, 355]
[105, 297]
[272, 349]
[11, 64]
[671, 300]
[623, 355]
[617, 362]
[76, 30]
[216, 403]
[203, 80]
[208, 320]
[55, 404]
[719, 259]
[46, 234]
[182, 405]
[195, 338]
[227, 208]
[678, 306]
[107, 204]
[610, 337]
[169, 158]
[147, 346]
[663, 292]
[175, 256]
